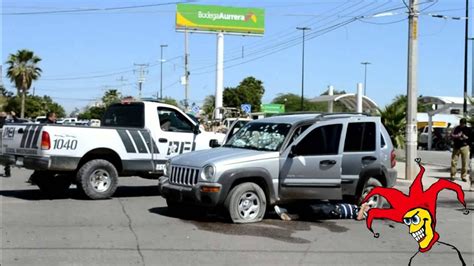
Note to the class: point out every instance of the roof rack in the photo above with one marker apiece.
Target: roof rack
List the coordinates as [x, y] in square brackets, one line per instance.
[323, 116]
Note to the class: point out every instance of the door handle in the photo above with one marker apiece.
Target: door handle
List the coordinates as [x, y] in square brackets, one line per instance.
[162, 140]
[327, 162]
[368, 158]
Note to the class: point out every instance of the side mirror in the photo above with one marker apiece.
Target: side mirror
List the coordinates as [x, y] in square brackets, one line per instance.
[196, 130]
[213, 143]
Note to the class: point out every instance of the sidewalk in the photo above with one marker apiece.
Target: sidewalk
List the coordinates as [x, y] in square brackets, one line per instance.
[432, 174]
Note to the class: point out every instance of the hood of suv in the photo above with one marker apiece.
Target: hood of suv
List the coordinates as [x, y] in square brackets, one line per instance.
[221, 155]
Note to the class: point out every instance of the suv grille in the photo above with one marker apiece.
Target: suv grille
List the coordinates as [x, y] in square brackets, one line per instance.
[184, 176]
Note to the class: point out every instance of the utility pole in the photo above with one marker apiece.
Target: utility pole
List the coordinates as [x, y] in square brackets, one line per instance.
[472, 67]
[142, 70]
[122, 81]
[161, 70]
[411, 133]
[186, 72]
[365, 76]
[304, 29]
[466, 32]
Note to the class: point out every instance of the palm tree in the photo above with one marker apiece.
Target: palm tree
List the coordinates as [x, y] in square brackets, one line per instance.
[23, 70]
[394, 119]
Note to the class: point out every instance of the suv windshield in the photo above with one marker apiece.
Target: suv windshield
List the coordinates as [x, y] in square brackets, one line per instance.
[260, 136]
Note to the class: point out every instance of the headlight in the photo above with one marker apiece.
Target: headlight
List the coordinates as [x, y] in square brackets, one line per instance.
[167, 169]
[208, 172]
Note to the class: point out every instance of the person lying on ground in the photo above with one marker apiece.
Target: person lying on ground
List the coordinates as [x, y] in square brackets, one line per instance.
[327, 210]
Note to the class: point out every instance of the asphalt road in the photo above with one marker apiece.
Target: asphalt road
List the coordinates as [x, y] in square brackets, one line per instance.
[134, 228]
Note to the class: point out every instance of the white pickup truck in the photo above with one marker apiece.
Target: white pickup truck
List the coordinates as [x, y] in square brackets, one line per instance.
[135, 138]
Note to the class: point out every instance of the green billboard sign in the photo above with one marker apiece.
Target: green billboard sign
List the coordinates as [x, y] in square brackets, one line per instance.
[272, 108]
[220, 18]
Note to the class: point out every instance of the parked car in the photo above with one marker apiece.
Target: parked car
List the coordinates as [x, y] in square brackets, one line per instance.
[282, 159]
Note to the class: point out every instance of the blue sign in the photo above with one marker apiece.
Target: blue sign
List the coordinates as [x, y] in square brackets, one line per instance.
[246, 108]
[195, 109]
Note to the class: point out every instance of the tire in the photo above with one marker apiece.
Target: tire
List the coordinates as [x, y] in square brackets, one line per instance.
[246, 203]
[51, 184]
[370, 184]
[97, 179]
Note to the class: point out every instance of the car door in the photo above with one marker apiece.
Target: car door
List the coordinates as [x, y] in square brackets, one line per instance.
[176, 133]
[310, 167]
[361, 144]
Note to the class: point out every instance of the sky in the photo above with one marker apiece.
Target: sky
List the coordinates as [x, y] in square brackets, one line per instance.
[85, 53]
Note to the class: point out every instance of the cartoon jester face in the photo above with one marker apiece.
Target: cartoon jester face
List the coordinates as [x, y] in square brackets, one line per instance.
[420, 223]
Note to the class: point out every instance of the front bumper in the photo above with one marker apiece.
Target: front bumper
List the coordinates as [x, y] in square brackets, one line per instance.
[191, 195]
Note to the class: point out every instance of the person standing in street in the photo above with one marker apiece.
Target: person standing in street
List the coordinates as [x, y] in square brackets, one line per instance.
[461, 140]
[6, 169]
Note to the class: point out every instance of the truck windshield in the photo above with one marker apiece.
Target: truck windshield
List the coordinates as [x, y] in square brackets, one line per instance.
[124, 115]
[260, 136]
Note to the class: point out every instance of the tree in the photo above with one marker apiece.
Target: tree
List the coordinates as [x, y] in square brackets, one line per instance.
[393, 117]
[110, 97]
[35, 106]
[250, 90]
[94, 112]
[23, 70]
[208, 105]
[292, 103]
[169, 100]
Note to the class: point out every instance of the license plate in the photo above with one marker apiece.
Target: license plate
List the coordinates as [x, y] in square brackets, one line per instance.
[160, 167]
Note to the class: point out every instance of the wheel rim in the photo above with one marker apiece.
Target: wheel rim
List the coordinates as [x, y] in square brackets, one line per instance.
[100, 180]
[376, 198]
[249, 205]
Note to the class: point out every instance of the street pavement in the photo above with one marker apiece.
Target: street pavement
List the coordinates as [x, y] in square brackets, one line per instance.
[134, 228]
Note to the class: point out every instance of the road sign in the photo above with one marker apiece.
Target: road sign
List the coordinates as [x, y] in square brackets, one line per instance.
[246, 108]
[195, 109]
[273, 108]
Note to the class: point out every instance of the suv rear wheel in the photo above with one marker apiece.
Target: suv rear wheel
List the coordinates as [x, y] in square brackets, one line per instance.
[370, 184]
[246, 203]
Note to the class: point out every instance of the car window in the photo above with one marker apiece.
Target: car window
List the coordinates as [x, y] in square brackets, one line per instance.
[360, 137]
[322, 140]
[382, 141]
[260, 136]
[172, 120]
[123, 115]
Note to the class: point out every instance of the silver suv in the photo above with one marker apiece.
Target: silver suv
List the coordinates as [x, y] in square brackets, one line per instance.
[281, 159]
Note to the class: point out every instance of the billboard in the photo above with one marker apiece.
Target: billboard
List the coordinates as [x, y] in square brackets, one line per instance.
[220, 19]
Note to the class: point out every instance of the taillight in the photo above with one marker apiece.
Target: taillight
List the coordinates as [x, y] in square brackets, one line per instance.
[45, 141]
[393, 158]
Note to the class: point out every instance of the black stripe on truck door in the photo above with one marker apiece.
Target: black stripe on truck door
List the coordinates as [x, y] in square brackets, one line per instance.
[26, 131]
[149, 142]
[138, 141]
[127, 142]
[35, 139]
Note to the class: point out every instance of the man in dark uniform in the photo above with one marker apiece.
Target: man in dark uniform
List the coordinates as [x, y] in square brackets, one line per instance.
[461, 140]
[3, 117]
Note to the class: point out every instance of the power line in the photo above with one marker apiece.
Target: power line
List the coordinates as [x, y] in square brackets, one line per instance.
[79, 10]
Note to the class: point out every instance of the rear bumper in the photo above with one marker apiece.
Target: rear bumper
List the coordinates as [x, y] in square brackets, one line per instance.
[41, 163]
[391, 177]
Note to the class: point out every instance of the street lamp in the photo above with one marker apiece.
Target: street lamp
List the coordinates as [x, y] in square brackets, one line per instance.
[365, 76]
[161, 70]
[304, 29]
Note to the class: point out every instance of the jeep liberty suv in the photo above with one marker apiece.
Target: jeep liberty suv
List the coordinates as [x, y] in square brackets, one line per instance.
[282, 159]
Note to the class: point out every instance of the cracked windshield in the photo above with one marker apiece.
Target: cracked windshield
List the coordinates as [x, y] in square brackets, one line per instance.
[260, 136]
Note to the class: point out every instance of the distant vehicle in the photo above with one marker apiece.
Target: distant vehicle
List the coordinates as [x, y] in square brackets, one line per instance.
[94, 123]
[229, 121]
[40, 119]
[439, 137]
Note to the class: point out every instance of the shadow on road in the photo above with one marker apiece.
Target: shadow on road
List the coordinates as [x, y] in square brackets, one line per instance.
[271, 227]
[122, 192]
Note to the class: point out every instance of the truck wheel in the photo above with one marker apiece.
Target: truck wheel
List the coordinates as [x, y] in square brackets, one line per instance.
[51, 184]
[246, 203]
[370, 184]
[97, 179]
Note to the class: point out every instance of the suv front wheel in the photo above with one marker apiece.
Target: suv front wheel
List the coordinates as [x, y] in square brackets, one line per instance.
[246, 203]
[370, 184]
